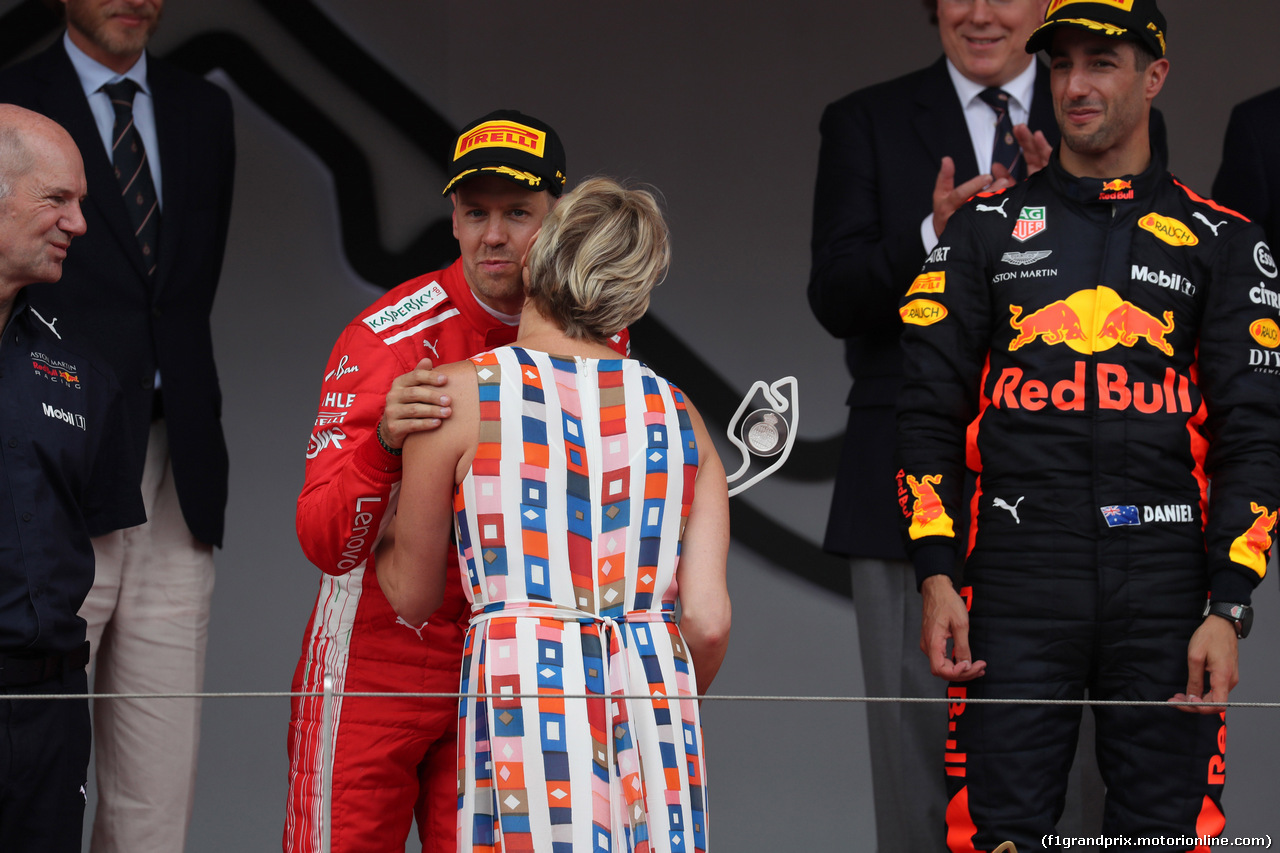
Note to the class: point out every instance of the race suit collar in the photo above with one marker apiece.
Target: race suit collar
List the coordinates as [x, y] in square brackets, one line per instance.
[1120, 188]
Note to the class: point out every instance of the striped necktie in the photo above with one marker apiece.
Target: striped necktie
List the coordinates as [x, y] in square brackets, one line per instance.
[133, 171]
[1005, 149]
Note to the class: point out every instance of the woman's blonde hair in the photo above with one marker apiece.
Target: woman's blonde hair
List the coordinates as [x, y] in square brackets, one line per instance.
[602, 250]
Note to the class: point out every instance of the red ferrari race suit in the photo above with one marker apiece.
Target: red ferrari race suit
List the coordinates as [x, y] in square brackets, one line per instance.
[393, 759]
[1097, 352]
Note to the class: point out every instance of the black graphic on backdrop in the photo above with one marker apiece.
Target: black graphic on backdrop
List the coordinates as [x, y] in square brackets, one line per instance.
[30, 22]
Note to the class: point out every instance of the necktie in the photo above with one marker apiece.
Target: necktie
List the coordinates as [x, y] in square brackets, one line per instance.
[133, 171]
[1005, 151]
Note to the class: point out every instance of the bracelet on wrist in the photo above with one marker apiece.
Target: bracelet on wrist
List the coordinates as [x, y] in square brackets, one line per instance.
[394, 451]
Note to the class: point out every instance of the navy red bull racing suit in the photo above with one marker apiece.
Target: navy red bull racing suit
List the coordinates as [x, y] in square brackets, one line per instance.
[1099, 353]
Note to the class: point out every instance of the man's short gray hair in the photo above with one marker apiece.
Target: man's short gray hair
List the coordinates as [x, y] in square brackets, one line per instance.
[16, 158]
[601, 251]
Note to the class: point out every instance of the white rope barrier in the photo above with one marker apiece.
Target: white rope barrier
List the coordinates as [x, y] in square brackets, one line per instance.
[1154, 703]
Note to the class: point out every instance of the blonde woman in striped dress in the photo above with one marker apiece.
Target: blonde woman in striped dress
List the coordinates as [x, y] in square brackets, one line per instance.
[586, 501]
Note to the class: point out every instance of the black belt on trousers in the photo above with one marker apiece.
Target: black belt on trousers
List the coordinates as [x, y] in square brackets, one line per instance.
[34, 667]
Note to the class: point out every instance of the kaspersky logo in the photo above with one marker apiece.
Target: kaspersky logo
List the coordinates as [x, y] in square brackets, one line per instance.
[1250, 548]
[928, 515]
[1091, 321]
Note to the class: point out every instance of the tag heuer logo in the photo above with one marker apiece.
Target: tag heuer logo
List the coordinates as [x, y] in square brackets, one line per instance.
[1030, 223]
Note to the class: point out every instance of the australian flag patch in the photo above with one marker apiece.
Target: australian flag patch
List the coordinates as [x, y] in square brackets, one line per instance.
[1121, 516]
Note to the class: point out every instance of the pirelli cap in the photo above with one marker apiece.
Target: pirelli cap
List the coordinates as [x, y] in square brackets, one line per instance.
[512, 145]
[1132, 20]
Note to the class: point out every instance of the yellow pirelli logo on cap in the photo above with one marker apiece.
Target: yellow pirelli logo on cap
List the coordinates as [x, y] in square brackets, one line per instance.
[1126, 5]
[502, 134]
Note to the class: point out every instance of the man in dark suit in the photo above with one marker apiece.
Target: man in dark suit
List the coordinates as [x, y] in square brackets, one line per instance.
[1249, 178]
[159, 156]
[896, 160]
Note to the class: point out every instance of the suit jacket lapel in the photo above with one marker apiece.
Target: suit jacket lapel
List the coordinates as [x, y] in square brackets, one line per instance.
[175, 150]
[67, 105]
[940, 122]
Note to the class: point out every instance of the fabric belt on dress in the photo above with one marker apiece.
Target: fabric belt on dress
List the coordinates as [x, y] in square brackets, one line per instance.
[34, 667]
[609, 630]
[546, 610]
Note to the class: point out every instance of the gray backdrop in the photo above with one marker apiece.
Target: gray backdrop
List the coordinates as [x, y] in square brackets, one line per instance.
[717, 104]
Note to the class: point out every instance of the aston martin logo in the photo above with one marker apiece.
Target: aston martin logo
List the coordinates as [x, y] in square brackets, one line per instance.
[1026, 259]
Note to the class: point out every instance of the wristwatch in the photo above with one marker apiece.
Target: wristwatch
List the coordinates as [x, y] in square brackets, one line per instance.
[1240, 615]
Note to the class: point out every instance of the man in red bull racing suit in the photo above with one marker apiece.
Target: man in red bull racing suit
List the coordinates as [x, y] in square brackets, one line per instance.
[395, 760]
[1099, 344]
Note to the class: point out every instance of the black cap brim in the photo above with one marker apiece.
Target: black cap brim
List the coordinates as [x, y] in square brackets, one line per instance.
[1042, 37]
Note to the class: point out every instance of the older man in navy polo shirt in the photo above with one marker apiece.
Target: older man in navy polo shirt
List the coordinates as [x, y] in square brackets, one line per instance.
[63, 478]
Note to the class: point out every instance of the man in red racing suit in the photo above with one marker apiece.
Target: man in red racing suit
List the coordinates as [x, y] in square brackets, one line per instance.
[396, 759]
[1097, 343]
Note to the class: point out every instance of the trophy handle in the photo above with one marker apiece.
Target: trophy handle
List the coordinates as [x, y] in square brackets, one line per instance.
[779, 405]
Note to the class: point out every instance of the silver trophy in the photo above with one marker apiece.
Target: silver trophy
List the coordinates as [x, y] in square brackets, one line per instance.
[767, 432]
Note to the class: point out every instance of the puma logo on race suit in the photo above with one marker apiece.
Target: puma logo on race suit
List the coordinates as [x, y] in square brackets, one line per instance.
[999, 503]
[991, 208]
[1205, 220]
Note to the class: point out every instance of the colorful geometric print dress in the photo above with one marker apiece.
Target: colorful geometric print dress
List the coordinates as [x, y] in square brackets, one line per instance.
[569, 526]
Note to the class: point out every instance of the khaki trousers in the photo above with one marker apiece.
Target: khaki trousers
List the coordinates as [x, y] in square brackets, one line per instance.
[148, 618]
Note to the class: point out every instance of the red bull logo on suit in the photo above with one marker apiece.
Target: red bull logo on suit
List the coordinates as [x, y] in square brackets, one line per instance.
[1250, 548]
[1117, 190]
[1091, 321]
[1013, 390]
[928, 514]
